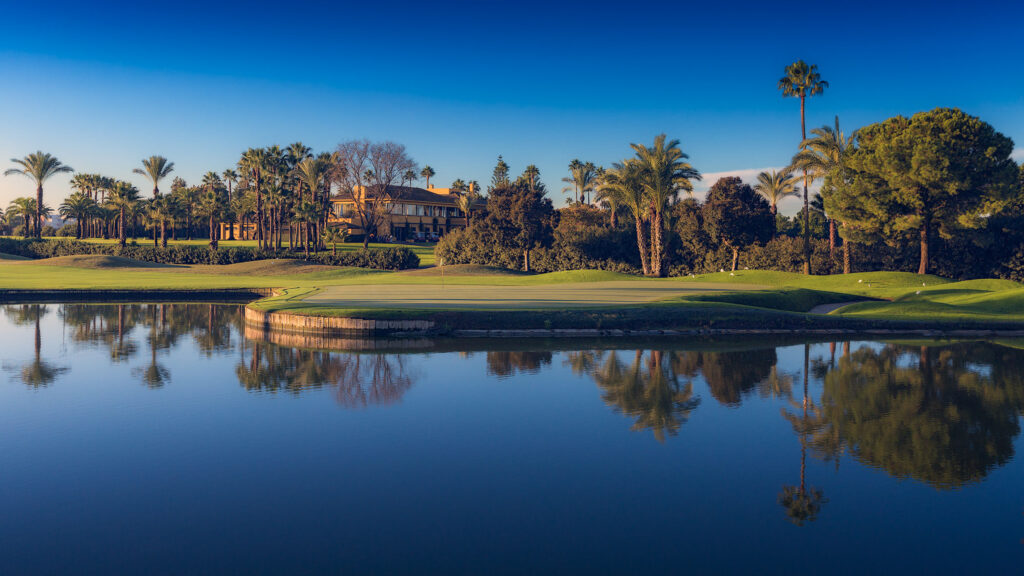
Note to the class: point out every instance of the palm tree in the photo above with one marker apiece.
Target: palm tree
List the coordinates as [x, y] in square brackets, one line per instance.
[532, 174]
[230, 177]
[625, 182]
[156, 168]
[776, 186]
[409, 176]
[162, 210]
[802, 81]
[306, 214]
[608, 196]
[822, 155]
[254, 164]
[24, 208]
[210, 206]
[39, 166]
[310, 173]
[666, 173]
[297, 152]
[78, 206]
[123, 197]
[332, 235]
[465, 203]
[427, 173]
[582, 177]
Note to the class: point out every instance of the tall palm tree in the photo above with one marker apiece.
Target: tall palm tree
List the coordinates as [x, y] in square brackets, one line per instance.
[306, 214]
[310, 173]
[582, 177]
[776, 186]
[123, 198]
[210, 206]
[666, 174]
[802, 80]
[427, 173]
[625, 182]
[230, 177]
[163, 210]
[156, 168]
[822, 155]
[254, 164]
[38, 166]
[78, 206]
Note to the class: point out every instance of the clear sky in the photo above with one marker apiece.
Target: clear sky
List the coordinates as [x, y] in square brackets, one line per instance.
[104, 84]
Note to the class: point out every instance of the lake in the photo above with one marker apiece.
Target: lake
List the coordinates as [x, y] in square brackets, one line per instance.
[166, 439]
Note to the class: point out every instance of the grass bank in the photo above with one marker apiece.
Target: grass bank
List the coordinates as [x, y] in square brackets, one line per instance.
[464, 297]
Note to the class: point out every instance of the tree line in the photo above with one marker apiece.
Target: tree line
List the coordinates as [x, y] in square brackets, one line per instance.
[274, 193]
[941, 183]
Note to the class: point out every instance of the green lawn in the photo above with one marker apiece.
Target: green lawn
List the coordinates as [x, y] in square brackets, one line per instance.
[894, 296]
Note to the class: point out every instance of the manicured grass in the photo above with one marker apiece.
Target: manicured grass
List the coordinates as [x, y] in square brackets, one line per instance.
[326, 290]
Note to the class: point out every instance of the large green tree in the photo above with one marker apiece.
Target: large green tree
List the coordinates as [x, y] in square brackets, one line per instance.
[39, 166]
[522, 215]
[802, 80]
[737, 216]
[936, 173]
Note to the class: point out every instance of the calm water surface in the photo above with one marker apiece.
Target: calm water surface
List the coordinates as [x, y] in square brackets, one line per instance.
[164, 439]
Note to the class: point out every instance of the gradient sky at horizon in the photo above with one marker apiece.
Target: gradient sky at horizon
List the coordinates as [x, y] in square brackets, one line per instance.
[103, 85]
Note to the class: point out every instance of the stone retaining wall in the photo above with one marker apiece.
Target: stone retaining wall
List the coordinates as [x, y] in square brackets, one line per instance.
[323, 325]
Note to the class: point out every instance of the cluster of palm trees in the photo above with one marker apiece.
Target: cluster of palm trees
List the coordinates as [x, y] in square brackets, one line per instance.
[646, 185]
[273, 190]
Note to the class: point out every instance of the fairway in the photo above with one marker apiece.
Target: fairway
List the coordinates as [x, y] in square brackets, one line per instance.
[498, 297]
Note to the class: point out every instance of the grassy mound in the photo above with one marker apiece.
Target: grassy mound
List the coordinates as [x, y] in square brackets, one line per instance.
[464, 270]
[272, 267]
[12, 257]
[99, 261]
[788, 299]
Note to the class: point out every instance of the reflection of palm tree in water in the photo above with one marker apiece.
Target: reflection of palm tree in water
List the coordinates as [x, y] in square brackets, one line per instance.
[155, 375]
[649, 391]
[39, 372]
[802, 503]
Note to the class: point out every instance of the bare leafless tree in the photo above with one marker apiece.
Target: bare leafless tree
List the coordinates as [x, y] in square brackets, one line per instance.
[370, 173]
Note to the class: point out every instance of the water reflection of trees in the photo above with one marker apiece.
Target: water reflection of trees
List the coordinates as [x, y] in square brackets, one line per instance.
[504, 363]
[943, 415]
[359, 380]
[38, 372]
[646, 387]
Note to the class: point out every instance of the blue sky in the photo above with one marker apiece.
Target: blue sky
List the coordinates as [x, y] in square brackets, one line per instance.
[103, 85]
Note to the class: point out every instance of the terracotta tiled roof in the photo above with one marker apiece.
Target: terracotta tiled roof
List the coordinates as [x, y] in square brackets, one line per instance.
[410, 194]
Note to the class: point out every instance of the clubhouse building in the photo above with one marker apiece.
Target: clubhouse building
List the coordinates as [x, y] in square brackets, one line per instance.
[410, 213]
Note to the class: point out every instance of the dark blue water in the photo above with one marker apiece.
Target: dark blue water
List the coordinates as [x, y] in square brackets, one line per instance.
[163, 439]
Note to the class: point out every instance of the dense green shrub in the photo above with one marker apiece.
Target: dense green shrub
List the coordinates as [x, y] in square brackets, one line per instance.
[380, 258]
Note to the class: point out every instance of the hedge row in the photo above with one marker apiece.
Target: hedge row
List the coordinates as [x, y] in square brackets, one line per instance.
[378, 258]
